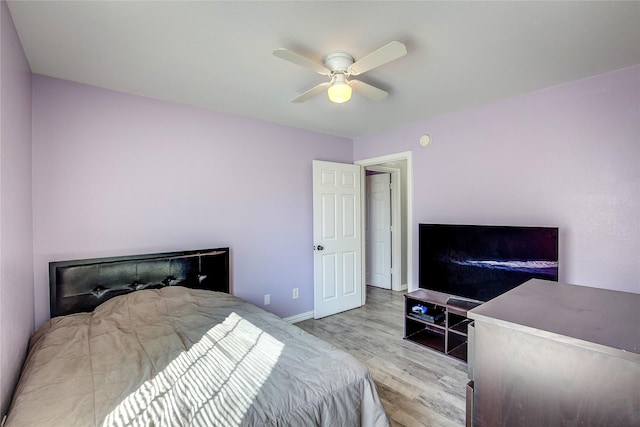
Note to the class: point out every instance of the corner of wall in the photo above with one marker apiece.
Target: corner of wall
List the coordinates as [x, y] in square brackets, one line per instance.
[16, 226]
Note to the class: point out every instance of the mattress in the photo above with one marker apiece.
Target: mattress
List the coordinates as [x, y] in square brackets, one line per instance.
[185, 357]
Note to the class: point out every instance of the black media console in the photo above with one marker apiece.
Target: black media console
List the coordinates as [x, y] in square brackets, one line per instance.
[443, 327]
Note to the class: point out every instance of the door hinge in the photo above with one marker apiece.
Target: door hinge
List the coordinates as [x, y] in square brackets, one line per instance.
[390, 186]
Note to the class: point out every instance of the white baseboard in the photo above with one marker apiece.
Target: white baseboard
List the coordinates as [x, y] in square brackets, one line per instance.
[299, 317]
[401, 288]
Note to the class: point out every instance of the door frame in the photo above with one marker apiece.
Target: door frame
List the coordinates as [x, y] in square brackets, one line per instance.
[396, 251]
[396, 225]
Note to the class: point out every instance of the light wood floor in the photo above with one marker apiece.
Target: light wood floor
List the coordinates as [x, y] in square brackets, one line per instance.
[418, 386]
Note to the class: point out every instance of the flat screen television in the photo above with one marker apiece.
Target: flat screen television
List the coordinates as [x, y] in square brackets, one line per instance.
[480, 262]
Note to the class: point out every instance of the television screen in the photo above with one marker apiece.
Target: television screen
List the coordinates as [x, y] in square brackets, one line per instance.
[481, 262]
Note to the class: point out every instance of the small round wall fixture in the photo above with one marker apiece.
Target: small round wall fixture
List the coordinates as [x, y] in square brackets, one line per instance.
[425, 140]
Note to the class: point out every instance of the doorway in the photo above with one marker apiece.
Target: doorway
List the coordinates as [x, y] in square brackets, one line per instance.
[399, 166]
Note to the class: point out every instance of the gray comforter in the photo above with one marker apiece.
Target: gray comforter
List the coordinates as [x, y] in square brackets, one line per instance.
[184, 357]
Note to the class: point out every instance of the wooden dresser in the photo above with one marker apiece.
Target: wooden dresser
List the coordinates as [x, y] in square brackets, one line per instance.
[552, 354]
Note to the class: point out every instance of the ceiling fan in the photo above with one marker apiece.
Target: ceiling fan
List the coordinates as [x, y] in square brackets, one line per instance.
[340, 66]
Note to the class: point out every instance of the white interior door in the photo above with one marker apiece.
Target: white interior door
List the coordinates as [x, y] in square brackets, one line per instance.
[337, 238]
[379, 230]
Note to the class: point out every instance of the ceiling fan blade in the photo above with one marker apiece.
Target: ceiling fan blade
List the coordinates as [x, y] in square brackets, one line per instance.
[313, 91]
[386, 53]
[367, 90]
[287, 55]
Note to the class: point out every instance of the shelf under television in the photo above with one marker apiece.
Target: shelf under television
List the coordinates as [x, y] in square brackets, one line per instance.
[448, 336]
[428, 338]
[460, 327]
[459, 352]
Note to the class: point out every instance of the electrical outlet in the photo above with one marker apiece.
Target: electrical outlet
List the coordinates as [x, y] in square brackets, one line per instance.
[267, 299]
[295, 293]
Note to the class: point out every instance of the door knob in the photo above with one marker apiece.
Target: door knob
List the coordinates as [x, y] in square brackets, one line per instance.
[320, 247]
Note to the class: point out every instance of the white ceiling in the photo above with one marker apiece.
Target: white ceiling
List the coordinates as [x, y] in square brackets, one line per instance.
[218, 54]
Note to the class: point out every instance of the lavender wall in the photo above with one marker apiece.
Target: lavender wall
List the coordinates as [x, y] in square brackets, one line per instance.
[122, 174]
[16, 251]
[567, 156]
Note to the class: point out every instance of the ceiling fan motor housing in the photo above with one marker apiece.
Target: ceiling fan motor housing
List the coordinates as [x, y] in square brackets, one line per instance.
[338, 62]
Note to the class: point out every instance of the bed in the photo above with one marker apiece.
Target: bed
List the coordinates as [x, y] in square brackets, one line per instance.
[157, 340]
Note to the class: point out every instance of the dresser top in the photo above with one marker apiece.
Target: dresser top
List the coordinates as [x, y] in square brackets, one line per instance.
[609, 319]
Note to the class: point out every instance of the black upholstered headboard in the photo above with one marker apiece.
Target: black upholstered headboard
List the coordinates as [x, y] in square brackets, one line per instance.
[81, 285]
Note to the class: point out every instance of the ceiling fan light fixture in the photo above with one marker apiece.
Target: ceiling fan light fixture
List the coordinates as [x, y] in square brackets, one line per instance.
[339, 91]
[340, 65]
